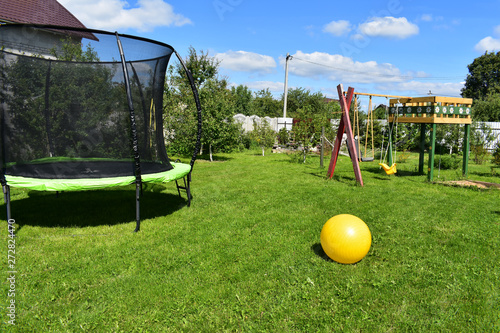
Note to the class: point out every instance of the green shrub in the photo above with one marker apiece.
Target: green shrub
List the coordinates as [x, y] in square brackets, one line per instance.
[263, 134]
[402, 157]
[283, 136]
[479, 154]
[496, 154]
[447, 162]
[244, 140]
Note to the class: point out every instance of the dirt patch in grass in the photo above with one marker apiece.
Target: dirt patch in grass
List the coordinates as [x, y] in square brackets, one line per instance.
[475, 183]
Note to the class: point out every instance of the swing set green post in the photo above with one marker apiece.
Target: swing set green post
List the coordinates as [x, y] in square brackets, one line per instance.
[432, 153]
[422, 149]
[466, 151]
[389, 147]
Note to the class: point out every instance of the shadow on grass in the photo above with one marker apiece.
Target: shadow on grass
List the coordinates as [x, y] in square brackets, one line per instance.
[90, 208]
[400, 173]
[215, 158]
[483, 174]
[318, 250]
[319, 173]
[342, 177]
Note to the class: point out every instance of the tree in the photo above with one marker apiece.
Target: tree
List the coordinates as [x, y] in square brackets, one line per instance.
[217, 103]
[487, 109]
[264, 104]
[449, 138]
[308, 128]
[303, 129]
[179, 116]
[60, 118]
[496, 154]
[380, 112]
[219, 130]
[263, 134]
[243, 99]
[72, 51]
[299, 98]
[201, 65]
[484, 77]
[481, 136]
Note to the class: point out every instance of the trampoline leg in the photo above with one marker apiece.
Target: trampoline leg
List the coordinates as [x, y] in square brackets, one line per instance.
[137, 207]
[6, 196]
[178, 188]
[186, 187]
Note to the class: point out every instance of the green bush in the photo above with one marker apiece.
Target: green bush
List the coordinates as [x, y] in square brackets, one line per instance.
[479, 154]
[496, 154]
[263, 134]
[283, 136]
[244, 140]
[447, 162]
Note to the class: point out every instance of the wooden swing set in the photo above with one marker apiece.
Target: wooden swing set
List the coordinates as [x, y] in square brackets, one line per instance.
[421, 110]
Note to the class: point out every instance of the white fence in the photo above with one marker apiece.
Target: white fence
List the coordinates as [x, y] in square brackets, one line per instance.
[275, 123]
[495, 130]
[278, 123]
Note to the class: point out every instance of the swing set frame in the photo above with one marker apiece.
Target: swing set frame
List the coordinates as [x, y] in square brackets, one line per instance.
[369, 123]
[345, 99]
[429, 110]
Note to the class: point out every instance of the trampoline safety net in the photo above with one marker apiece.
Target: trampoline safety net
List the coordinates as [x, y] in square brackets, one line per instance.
[65, 108]
[82, 109]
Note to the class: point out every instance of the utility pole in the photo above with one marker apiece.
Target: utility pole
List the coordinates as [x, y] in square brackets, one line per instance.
[288, 57]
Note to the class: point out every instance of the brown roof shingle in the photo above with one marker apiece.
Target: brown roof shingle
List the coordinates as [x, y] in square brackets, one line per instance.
[49, 12]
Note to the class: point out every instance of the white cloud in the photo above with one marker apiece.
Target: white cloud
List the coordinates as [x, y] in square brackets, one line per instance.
[358, 37]
[338, 28]
[272, 86]
[426, 17]
[117, 14]
[497, 30]
[389, 26]
[417, 88]
[339, 68]
[431, 18]
[488, 44]
[243, 61]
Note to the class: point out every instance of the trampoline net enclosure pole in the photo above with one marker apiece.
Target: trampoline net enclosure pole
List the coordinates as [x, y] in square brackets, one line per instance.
[6, 195]
[198, 108]
[133, 128]
[198, 134]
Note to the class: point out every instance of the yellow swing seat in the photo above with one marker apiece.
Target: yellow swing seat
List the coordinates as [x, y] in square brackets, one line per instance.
[390, 170]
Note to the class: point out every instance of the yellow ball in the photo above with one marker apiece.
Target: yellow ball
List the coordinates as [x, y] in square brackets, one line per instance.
[346, 238]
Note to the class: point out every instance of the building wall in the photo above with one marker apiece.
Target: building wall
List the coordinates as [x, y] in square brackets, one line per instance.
[30, 42]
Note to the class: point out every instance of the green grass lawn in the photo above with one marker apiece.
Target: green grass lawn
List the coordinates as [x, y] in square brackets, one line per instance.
[246, 256]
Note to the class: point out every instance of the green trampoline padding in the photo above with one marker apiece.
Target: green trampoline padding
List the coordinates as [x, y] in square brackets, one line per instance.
[179, 171]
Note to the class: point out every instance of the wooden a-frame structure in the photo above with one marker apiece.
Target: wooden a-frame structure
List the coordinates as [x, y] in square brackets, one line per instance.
[345, 126]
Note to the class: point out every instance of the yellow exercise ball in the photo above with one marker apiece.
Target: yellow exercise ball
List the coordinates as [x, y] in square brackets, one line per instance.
[346, 238]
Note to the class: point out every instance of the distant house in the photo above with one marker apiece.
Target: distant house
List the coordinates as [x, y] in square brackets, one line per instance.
[44, 12]
[328, 100]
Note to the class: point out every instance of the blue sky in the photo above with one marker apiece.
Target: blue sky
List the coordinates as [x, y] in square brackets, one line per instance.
[394, 47]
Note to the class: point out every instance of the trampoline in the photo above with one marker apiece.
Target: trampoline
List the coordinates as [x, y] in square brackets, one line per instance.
[82, 109]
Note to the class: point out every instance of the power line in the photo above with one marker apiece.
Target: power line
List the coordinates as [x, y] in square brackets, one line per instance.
[403, 77]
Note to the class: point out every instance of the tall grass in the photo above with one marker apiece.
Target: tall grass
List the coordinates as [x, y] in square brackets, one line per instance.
[246, 256]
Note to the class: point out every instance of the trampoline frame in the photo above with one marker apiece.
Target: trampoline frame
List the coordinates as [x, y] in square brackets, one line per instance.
[138, 178]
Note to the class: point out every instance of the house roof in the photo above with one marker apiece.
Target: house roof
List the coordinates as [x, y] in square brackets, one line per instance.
[45, 12]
